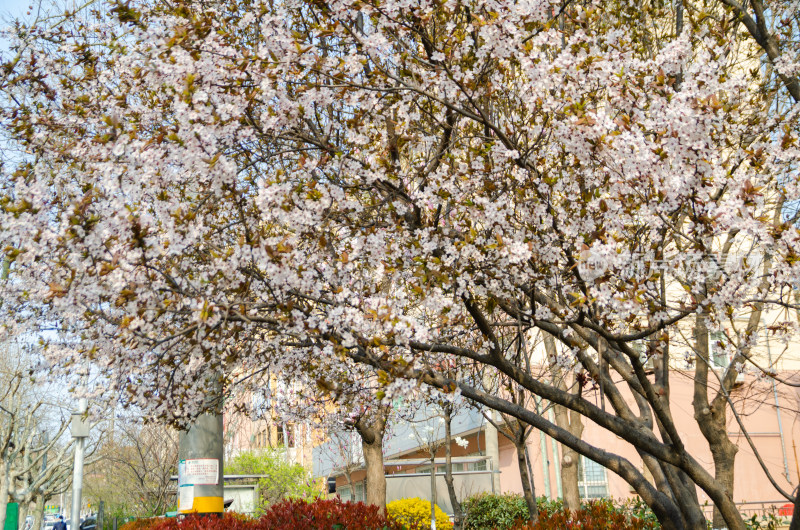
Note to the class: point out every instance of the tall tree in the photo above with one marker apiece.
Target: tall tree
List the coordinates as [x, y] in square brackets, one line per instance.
[132, 471]
[277, 183]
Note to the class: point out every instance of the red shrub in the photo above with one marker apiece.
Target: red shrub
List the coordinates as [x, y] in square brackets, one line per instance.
[325, 515]
[291, 515]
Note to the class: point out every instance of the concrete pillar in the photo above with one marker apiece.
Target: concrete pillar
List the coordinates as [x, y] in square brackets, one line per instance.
[493, 452]
[200, 485]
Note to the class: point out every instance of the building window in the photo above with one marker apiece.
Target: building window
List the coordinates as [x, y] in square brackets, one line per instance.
[359, 497]
[480, 465]
[260, 439]
[286, 436]
[592, 481]
[344, 493]
[458, 467]
[718, 342]
[290, 438]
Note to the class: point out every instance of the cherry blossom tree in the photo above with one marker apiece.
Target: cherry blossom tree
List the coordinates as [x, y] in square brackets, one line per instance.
[312, 185]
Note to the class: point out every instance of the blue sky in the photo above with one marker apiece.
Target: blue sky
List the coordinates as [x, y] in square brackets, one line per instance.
[13, 8]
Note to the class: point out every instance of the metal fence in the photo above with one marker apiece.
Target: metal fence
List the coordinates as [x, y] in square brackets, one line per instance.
[780, 509]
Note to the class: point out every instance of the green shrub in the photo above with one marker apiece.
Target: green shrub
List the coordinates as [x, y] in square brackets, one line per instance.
[487, 511]
[415, 513]
[509, 511]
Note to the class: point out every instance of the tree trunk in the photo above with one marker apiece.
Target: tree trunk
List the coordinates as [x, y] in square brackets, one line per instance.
[795, 524]
[723, 453]
[458, 516]
[4, 495]
[433, 490]
[712, 420]
[38, 511]
[569, 478]
[527, 484]
[569, 421]
[23, 510]
[371, 431]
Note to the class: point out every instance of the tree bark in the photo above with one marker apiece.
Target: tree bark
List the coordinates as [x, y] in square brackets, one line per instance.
[4, 488]
[569, 421]
[23, 511]
[38, 512]
[527, 484]
[712, 420]
[371, 429]
[458, 515]
[795, 524]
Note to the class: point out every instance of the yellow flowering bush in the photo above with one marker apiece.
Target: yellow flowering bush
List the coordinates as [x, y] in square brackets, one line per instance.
[415, 513]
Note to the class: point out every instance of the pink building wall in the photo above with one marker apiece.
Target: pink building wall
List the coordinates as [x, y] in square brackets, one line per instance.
[756, 404]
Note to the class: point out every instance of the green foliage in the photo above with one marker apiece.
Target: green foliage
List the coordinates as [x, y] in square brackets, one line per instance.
[597, 514]
[415, 514]
[639, 509]
[488, 511]
[284, 480]
[509, 511]
[766, 522]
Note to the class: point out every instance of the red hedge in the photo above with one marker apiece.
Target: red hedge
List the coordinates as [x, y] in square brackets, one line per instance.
[291, 515]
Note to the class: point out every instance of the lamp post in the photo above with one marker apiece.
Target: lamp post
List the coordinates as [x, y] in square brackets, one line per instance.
[80, 431]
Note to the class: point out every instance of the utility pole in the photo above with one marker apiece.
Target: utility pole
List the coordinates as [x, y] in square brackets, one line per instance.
[80, 431]
[200, 450]
[200, 466]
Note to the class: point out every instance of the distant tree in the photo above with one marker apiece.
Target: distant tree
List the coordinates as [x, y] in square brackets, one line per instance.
[36, 451]
[283, 480]
[133, 472]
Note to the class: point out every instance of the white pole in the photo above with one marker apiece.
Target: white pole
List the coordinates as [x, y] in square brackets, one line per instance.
[77, 473]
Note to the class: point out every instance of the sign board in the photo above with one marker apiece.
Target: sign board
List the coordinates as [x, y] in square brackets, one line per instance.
[199, 472]
[185, 497]
[79, 426]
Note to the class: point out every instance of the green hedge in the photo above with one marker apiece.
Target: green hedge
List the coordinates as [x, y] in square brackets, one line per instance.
[489, 512]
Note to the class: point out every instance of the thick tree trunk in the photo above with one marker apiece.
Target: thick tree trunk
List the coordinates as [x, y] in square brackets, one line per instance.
[38, 511]
[458, 515]
[23, 510]
[569, 421]
[723, 451]
[684, 492]
[569, 478]
[795, 524]
[527, 484]
[371, 430]
[712, 420]
[4, 494]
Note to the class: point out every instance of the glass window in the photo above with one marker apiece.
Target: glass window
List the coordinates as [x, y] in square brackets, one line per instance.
[592, 481]
[290, 435]
[359, 492]
[640, 348]
[718, 341]
[344, 493]
[285, 436]
[477, 466]
[260, 440]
